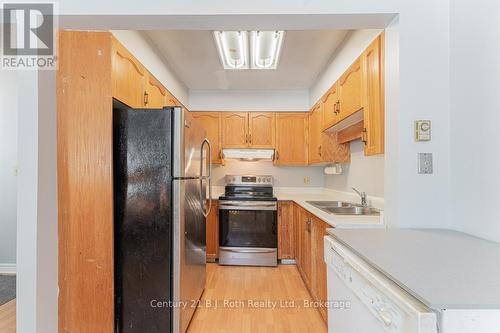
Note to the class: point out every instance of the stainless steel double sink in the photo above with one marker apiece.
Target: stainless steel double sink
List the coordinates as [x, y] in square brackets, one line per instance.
[343, 208]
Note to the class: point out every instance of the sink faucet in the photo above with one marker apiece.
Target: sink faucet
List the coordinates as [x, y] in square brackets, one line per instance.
[363, 197]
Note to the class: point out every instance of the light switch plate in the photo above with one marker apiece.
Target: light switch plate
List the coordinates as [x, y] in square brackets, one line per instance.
[422, 130]
[425, 163]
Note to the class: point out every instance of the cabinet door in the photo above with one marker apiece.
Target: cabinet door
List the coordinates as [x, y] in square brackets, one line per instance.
[212, 231]
[305, 247]
[291, 138]
[330, 107]
[128, 77]
[211, 122]
[351, 90]
[155, 93]
[285, 230]
[170, 100]
[261, 129]
[234, 129]
[315, 134]
[318, 278]
[374, 97]
[296, 233]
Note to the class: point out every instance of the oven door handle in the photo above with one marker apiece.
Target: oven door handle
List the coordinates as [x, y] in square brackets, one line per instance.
[250, 251]
[246, 206]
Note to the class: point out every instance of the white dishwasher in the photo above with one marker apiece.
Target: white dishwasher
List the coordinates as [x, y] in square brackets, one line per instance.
[362, 300]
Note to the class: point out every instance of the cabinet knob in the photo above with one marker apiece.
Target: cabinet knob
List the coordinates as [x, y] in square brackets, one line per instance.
[146, 98]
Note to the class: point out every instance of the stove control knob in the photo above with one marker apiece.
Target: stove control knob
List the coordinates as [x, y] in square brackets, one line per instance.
[259, 180]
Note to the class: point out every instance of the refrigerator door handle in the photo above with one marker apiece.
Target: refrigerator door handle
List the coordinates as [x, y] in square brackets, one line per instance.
[208, 177]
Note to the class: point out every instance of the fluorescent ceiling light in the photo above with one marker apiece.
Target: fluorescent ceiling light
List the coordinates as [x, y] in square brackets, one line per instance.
[233, 48]
[266, 49]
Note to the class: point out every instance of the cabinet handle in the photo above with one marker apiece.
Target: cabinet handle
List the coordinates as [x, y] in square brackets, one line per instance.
[338, 107]
[146, 98]
[250, 138]
[220, 154]
[319, 150]
[277, 155]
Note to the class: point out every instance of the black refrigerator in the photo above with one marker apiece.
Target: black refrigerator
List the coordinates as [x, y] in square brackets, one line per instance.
[162, 166]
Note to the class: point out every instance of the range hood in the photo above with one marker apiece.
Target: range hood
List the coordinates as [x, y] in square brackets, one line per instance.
[248, 154]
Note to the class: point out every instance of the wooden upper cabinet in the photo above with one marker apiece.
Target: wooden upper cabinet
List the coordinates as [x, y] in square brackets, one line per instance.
[373, 60]
[155, 93]
[170, 100]
[291, 138]
[261, 129]
[285, 230]
[350, 87]
[315, 134]
[330, 107]
[234, 129]
[211, 122]
[128, 76]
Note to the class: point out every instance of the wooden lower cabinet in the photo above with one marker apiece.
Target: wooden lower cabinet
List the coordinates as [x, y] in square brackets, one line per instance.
[309, 256]
[285, 230]
[212, 232]
[318, 280]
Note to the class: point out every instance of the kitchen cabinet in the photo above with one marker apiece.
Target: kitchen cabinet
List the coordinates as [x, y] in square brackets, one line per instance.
[351, 90]
[318, 278]
[291, 138]
[128, 77]
[156, 93]
[211, 122]
[373, 113]
[330, 101]
[308, 235]
[285, 230]
[234, 129]
[324, 146]
[212, 232]
[304, 234]
[170, 100]
[315, 133]
[261, 130]
[248, 130]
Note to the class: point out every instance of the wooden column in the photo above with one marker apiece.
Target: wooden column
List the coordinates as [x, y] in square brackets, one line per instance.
[85, 182]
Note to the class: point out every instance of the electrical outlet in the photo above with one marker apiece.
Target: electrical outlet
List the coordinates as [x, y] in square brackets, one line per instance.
[425, 163]
[307, 180]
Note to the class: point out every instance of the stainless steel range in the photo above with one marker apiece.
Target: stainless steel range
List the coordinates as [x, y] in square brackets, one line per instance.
[248, 222]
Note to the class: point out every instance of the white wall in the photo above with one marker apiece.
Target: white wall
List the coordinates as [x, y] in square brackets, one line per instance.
[140, 46]
[8, 169]
[475, 117]
[366, 173]
[249, 100]
[283, 176]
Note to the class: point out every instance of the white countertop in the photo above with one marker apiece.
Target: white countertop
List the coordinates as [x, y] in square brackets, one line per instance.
[444, 269]
[302, 194]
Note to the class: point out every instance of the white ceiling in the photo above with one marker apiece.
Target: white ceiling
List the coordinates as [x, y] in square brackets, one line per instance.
[193, 56]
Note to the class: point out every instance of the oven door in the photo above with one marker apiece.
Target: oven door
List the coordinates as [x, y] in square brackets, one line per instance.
[248, 233]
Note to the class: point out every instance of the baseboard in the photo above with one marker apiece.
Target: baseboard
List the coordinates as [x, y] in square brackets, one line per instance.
[7, 268]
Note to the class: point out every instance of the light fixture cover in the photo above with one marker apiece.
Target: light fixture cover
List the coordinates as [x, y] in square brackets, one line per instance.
[233, 49]
[265, 49]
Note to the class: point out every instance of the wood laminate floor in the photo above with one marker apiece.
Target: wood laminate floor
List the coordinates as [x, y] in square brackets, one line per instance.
[8, 317]
[248, 299]
[245, 297]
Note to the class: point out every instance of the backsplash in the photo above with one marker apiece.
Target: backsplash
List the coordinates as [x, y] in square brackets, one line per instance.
[283, 176]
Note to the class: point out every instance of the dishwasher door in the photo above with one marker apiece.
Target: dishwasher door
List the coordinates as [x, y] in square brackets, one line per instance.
[361, 299]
